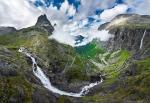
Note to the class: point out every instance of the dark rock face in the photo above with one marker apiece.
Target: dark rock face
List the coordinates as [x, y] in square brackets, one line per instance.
[129, 34]
[6, 68]
[43, 97]
[43, 22]
[31, 78]
[95, 78]
[130, 40]
[6, 30]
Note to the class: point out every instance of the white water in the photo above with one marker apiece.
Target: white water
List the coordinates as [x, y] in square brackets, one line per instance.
[46, 82]
[141, 45]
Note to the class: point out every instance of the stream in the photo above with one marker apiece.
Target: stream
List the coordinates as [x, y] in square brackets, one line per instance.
[46, 81]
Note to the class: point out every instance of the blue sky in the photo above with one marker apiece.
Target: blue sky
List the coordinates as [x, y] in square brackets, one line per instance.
[73, 17]
[80, 9]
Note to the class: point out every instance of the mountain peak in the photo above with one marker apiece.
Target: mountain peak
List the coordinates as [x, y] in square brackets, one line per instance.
[127, 20]
[44, 23]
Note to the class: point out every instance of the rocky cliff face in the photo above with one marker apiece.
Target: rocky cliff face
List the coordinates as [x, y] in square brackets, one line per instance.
[44, 23]
[131, 32]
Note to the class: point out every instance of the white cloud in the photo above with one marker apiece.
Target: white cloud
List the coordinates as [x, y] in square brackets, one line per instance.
[17, 13]
[109, 14]
[20, 14]
[102, 35]
[67, 33]
[66, 8]
[88, 7]
[63, 36]
[139, 6]
[71, 11]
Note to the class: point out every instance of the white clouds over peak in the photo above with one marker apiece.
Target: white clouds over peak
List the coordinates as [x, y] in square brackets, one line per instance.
[22, 13]
[109, 14]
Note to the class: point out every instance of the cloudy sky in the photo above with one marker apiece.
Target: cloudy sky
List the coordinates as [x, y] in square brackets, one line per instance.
[75, 18]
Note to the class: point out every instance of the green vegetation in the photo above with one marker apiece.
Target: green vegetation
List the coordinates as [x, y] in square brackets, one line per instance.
[132, 88]
[63, 99]
[112, 71]
[14, 84]
[50, 54]
[15, 88]
[90, 50]
[76, 64]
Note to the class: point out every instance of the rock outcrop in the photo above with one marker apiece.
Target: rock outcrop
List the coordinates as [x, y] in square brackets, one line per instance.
[43, 22]
[128, 31]
[7, 30]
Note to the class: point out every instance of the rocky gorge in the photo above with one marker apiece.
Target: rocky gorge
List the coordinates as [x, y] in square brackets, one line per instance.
[123, 63]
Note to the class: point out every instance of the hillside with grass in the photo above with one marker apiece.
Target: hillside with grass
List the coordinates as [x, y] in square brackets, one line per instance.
[123, 63]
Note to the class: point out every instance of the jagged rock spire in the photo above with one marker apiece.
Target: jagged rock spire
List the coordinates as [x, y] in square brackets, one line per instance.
[43, 22]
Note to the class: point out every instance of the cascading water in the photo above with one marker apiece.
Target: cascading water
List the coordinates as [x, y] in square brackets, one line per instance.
[46, 82]
[141, 45]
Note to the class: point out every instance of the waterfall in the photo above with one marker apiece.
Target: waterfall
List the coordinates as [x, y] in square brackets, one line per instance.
[46, 82]
[141, 45]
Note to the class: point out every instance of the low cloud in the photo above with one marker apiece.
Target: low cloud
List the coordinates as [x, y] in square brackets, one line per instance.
[102, 35]
[109, 14]
[63, 36]
[67, 33]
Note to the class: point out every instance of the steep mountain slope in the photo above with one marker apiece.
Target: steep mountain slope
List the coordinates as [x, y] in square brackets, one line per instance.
[123, 63]
[65, 68]
[131, 85]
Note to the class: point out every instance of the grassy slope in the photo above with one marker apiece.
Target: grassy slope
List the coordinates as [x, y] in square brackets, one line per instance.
[48, 51]
[90, 50]
[125, 82]
[130, 89]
